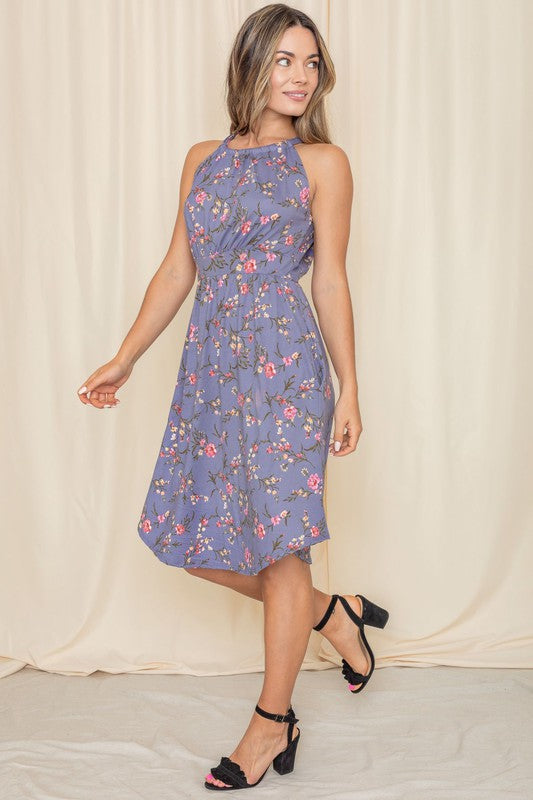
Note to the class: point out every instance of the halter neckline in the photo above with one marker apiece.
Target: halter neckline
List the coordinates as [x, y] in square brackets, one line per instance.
[260, 146]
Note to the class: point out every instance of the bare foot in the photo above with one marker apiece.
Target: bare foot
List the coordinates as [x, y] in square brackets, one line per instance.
[261, 743]
[345, 636]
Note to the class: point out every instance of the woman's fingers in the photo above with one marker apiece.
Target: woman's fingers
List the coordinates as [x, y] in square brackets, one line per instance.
[100, 388]
[99, 398]
[347, 435]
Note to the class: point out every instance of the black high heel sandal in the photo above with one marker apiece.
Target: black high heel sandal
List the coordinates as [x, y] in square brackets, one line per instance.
[371, 615]
[229, 771]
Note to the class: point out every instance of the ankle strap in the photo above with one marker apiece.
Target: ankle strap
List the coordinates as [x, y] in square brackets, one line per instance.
[328, 613]
[289, 717]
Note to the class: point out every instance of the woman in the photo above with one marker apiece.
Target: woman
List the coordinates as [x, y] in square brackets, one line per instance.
[237, 491]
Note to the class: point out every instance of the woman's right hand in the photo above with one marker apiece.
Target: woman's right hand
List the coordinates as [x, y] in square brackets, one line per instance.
[99, 389]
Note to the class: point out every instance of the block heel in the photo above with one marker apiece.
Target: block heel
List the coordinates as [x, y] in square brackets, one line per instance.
[284, 761]
[372, 614]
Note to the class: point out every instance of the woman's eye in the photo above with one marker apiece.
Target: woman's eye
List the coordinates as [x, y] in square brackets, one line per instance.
[314, 63]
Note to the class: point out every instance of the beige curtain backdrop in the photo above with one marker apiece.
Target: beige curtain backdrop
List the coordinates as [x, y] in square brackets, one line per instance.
[432, 516]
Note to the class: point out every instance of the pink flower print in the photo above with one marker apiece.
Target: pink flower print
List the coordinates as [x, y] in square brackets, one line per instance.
[289, 412]
[304, 195]
[296, 543]
[314, 482]
[232, 340]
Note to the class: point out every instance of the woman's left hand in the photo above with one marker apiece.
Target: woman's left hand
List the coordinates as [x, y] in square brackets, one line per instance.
[346, 415]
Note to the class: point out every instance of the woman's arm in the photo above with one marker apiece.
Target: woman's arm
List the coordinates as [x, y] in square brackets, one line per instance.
[331, 210]
[173, 280]
[165, 293]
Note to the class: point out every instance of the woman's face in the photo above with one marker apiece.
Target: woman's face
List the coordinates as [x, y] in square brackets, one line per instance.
[294, 75]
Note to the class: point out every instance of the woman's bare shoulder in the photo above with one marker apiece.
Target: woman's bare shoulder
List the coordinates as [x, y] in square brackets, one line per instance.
[199, 151]
[323, 162]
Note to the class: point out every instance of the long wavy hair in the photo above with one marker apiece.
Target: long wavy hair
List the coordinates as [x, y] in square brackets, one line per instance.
[247, 87]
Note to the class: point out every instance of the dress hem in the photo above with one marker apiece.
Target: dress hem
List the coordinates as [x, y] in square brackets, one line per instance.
[221, 565]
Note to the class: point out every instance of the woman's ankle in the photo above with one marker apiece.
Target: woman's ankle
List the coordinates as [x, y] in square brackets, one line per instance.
[322, 601]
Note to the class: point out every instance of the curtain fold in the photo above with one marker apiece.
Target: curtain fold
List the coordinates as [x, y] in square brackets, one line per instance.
[431, 516]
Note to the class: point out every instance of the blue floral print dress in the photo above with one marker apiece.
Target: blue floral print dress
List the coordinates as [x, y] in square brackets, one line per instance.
[239, 479]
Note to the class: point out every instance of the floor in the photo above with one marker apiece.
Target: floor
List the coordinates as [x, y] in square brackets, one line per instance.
[432, 733]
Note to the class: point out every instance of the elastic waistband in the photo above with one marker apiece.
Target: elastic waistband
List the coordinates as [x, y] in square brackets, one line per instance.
[246, 276]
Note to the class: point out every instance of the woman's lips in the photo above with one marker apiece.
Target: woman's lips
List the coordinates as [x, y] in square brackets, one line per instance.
[295, 96]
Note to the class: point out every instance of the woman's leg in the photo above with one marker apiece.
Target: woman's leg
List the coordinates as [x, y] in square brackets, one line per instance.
[338, 630]
[287, 593]
[250, 585]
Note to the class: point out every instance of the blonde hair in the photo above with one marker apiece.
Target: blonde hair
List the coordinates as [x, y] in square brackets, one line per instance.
[247, 87]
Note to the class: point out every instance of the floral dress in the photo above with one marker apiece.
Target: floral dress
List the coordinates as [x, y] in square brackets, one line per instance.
[239, 479]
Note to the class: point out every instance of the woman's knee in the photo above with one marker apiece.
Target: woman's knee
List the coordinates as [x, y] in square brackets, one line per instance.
[281, 568]
[196, 571]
